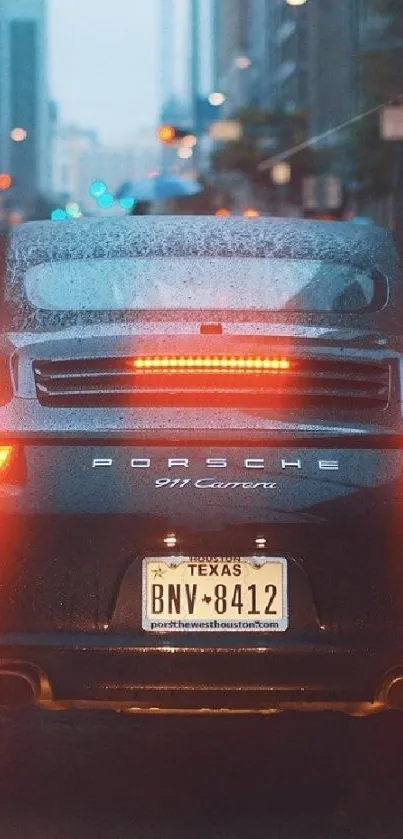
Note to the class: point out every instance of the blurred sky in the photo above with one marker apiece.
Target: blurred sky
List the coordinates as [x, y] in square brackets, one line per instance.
[104, 70]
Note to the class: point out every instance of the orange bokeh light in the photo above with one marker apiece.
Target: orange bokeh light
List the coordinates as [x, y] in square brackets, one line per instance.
[223, 212]
[251, 213]
[166, 133]
[5, 181]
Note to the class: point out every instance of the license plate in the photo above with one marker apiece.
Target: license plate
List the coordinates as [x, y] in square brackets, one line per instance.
[207, 594]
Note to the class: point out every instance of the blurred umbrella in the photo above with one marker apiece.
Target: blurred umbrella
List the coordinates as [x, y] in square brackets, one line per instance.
[160, 188]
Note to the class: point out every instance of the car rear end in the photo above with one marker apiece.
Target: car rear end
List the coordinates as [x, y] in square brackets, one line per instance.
[201, 508]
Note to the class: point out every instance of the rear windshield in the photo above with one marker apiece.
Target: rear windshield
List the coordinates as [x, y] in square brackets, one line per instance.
[204, 283]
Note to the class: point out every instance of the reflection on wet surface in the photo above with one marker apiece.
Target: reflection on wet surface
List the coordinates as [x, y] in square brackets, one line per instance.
[287, 776]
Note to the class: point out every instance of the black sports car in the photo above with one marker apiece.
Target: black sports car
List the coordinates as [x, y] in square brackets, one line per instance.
[201, 468]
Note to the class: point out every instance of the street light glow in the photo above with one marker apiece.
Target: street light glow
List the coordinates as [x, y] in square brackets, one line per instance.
[189, 141]
[242, 62]
[216, 99]
[18, 135]
[296, 2]
[184, 153]
[281, 173]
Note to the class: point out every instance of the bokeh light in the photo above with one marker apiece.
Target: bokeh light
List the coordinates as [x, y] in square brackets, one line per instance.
[58, 215]
[73, 210]
[15, 217]
[216, 99]
[105, 201]
[127, 203]
[166, 133]
[184, 153]
[189, 141]
[281, 173]
[242, 62]
[5, 181]
[98, 188]
[18, 135]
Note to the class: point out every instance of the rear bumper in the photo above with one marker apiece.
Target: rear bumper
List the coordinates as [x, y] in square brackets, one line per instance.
[96, 671]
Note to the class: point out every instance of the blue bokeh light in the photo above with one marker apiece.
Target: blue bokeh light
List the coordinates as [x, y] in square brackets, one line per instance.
[127, 203]
[58, 215]
[98, 188]
[106, 201]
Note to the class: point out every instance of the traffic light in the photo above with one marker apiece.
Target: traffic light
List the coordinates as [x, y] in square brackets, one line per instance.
[170, 134]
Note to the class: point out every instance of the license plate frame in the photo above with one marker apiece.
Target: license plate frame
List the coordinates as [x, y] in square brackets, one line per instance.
[275, 569]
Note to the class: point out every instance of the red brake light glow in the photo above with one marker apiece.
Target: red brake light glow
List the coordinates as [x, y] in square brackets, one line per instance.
[218, 363]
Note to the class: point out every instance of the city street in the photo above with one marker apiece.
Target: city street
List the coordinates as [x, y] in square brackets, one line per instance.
[201, 418]
[91, 776]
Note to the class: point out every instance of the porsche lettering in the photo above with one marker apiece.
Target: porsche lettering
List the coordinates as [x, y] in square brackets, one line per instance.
[251, 463]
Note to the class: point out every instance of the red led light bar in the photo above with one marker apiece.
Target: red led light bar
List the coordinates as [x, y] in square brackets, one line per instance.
[216, 363]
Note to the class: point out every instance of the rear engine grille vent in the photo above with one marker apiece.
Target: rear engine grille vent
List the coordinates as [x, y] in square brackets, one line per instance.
[212, 381]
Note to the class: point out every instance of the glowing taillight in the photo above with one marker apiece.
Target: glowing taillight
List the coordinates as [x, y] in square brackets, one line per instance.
[6, 456]
[218, 363]
[6, 390]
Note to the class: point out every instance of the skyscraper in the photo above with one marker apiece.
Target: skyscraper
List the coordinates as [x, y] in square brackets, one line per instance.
[187, 54]
[167, 50]
[174, 76]
[187, 71]
[231, 32]
[277, 46]
[233, 70]
[24, 100]
[333, 49]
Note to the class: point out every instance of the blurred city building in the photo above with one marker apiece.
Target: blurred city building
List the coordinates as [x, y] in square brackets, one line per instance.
[230, 33]
[167, 27]
[188, 72]
[286, 72]
[275, 55]
[334, 34]
[53, 111]
[295, 59]
[174, 50]
[232, 69]
[80, 159]
[301, 57]
[146, 153]
[277, 44]
[69, 144]
[112, 166]
[24, 107]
